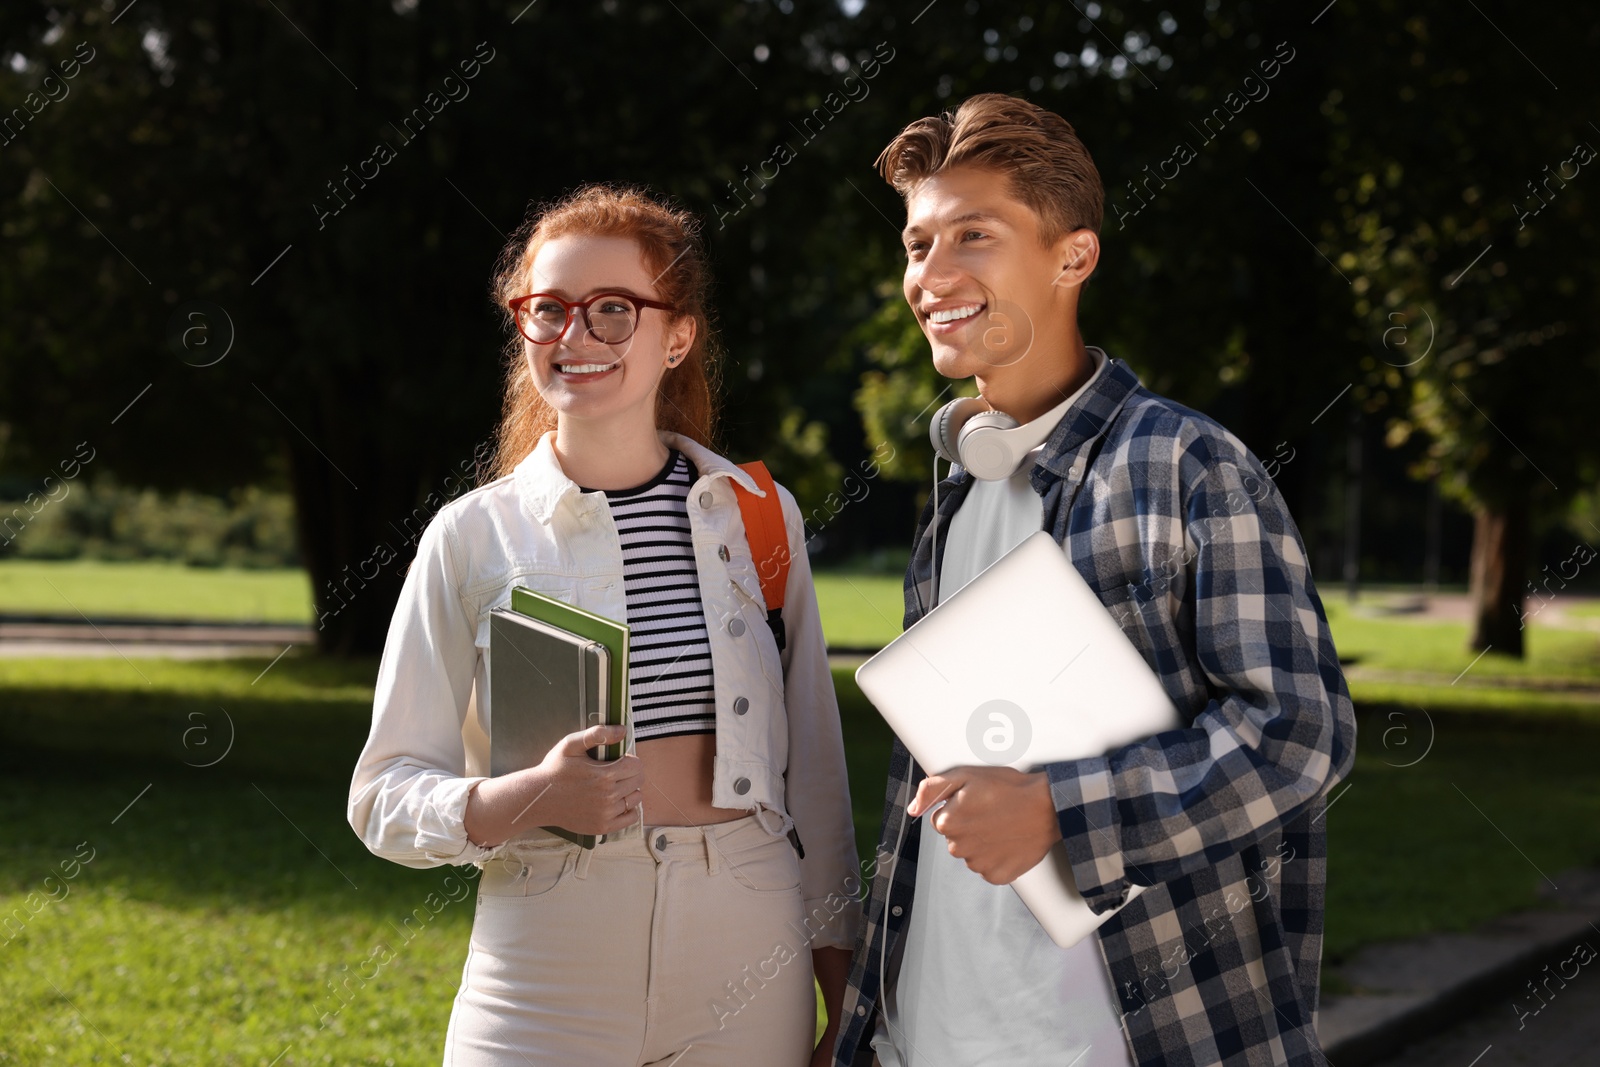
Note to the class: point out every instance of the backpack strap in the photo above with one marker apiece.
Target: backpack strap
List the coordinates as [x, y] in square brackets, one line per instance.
[769, 541]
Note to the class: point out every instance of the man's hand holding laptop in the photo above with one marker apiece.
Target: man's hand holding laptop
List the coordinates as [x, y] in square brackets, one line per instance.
[1000, 821]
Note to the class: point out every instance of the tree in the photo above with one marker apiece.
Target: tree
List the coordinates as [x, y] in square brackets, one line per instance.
[334, 183]
[1466, 221]
[326, 186]
[1293, 204]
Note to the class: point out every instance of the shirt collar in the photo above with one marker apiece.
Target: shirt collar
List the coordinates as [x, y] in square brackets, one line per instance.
[543, 485]
[1098, 358]
[708, 463]
[1087, 416]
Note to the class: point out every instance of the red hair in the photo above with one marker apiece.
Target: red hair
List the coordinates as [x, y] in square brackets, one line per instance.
[669, 242]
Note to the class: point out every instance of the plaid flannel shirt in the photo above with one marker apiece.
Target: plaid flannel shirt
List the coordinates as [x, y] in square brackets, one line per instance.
[1182, 534]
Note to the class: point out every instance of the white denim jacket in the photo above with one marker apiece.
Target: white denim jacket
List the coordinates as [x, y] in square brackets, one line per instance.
[780, 751]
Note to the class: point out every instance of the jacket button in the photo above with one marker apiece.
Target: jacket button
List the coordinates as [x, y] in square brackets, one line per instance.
[736, 627]
[705, 500]
[861, 1009]
[722, 553]
[896, 910]
[742, 786]
[741, 705]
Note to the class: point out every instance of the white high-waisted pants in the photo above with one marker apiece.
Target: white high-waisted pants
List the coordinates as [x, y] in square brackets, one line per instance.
[674, 945]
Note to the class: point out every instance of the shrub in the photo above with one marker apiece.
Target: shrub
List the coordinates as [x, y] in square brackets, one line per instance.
[250, 527]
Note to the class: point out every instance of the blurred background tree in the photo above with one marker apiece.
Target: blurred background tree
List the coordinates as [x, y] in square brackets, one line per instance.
[1466, 221]
[1281, 184]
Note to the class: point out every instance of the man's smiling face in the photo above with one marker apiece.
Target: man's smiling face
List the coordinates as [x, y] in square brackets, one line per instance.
[982, 285]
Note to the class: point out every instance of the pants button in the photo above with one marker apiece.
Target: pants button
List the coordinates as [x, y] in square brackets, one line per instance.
[661, 843]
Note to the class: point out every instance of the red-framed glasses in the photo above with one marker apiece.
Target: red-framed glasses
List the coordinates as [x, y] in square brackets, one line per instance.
[610, 317]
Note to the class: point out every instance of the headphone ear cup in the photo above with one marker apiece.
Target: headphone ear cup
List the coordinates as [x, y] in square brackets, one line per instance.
[986, 450]
[946, 425]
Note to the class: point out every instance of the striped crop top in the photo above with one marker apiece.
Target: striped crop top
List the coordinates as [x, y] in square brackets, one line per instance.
[669, 652]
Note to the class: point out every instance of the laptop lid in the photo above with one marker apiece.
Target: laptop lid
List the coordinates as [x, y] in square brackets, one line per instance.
[1021, 667]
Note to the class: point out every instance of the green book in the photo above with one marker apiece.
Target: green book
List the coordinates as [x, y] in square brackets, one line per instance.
[608, 632]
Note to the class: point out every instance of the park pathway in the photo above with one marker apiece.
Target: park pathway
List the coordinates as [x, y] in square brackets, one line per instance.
[1565, 1033]
[22, 636]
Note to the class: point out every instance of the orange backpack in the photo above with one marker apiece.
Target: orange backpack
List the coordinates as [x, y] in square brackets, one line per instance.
[769, 541]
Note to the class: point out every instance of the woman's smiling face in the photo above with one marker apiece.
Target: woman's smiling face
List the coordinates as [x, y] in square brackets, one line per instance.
[580, 376]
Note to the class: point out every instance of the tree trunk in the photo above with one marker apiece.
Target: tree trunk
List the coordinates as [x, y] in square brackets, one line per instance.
[357, 544]
[1499, 561]
[1352, 507]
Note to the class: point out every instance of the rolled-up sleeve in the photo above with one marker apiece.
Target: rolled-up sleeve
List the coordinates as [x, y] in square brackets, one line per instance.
[408, 797]
[817, 785]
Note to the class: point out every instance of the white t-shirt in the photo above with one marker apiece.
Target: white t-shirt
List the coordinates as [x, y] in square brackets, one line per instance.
[978, 980]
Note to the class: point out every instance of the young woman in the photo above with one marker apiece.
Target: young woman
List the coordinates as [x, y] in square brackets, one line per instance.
[727, 878]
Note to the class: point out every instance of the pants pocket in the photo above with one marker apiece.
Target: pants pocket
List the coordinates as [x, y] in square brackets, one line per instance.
[531, 873]
[770, 868]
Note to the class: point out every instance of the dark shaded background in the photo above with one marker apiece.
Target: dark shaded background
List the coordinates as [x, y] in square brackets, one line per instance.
[1378, 262]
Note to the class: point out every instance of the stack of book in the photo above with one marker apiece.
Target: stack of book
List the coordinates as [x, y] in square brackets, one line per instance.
[554, 669]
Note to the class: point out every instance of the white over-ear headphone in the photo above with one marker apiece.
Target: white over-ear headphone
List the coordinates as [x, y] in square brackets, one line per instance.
[989, 444]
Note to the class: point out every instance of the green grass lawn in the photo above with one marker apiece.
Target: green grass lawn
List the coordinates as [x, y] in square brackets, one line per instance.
[224, 907]
[228, 914]
[157, 590]
[1471, 830]
[859, 609]
[225, 904]
[1401, 644]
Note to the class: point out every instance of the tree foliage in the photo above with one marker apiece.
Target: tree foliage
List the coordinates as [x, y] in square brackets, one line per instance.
[326, 187]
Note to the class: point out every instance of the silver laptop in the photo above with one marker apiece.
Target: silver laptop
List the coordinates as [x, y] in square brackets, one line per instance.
[1021, 667]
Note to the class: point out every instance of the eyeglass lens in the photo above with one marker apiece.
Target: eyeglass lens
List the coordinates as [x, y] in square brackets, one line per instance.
[611, 319]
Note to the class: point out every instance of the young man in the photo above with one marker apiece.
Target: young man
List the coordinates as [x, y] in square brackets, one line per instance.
[1179, 530]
